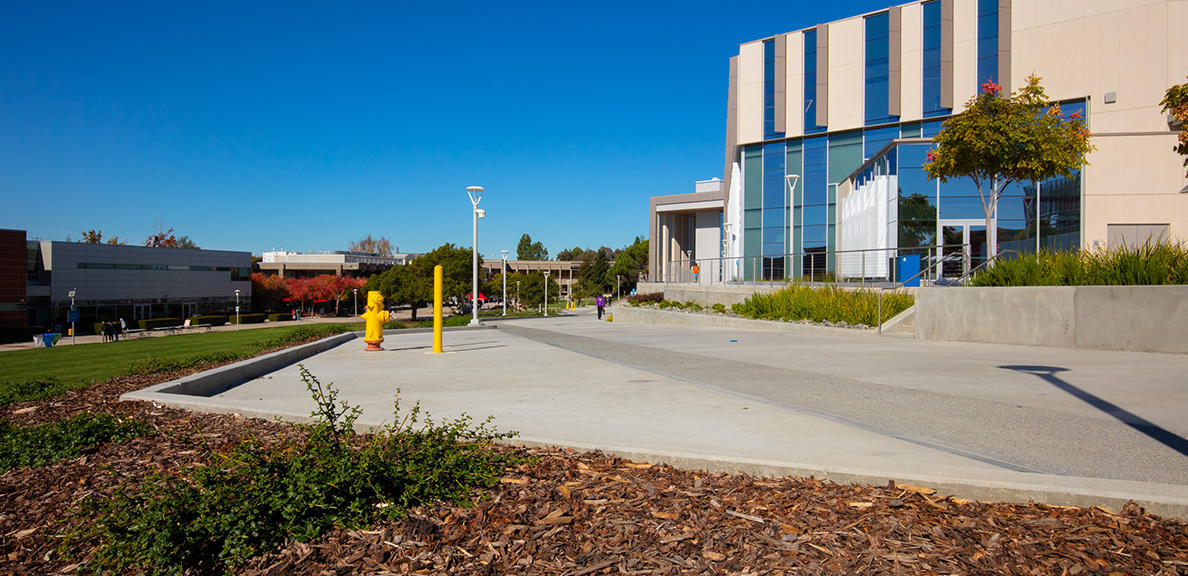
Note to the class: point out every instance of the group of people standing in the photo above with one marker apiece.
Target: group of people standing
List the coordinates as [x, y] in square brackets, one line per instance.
[112, 330]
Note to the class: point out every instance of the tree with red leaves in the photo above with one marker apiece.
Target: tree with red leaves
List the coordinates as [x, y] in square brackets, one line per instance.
[1175, 102]
[999, 140]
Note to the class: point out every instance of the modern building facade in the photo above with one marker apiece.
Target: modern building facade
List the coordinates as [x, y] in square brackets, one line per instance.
[686, 230]
[336, 262]
[106, 282]
[12, 278]
[828, 129]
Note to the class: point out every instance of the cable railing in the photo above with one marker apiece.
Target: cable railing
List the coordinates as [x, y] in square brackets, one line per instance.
[879, 267]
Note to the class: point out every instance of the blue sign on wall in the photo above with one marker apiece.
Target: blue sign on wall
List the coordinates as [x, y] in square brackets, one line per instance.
[909, 266]
[72, 316]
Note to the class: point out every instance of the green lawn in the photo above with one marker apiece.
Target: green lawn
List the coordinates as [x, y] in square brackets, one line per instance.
[23, 373]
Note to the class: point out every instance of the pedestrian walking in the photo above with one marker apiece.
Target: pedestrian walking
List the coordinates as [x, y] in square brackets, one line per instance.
[600, 302]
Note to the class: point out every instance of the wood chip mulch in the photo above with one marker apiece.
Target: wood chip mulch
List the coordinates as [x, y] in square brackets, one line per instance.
[578, 514]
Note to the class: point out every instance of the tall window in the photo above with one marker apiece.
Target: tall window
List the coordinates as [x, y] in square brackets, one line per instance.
[769, 94]
[987, 42]
[775, 210]
[932, 61]
[878, 83]
[810, 83]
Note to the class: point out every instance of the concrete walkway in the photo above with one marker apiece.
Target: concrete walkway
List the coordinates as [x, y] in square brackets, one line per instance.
[973, 420]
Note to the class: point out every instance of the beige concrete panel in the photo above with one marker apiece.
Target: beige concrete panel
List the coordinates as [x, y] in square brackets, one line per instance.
[794, 66]
[1155, 57]
[846, 74]
[1171, 207]
[965, 53]
[911, 91]
[1163, 164]
[1177, 53]
[750, 93]
[1139, 209]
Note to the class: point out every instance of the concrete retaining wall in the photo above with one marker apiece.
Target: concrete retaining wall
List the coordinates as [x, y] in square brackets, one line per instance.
[1129, 318]
[708, 295]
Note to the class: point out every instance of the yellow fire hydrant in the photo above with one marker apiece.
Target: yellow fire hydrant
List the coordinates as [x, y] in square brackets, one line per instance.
[376, 316]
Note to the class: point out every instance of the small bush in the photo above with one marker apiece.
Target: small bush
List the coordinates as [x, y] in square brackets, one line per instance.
[305, 333]
[43, 444]
[212, 320]
[247, 319]
[694, 306]
[156, 365]
[719, 308]
[19, 333]
[213, 518]
[830, 304]
[653, 298]
[150, 323]
[14, 392]
[282, 317]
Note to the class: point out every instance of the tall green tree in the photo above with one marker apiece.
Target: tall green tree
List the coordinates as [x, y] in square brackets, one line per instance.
[1175, 102]
[529, 250]
[532, 288]
[630, 265]
[999, 140]
[592, 272]
[412, 285]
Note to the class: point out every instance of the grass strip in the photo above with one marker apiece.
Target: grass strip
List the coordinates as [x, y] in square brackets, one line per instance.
[40, 373]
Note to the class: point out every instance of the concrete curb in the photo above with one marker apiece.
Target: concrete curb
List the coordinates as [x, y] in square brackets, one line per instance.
[668, 318]
[211, 382]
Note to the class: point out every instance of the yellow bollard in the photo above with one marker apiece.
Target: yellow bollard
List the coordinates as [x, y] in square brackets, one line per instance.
[437, 281]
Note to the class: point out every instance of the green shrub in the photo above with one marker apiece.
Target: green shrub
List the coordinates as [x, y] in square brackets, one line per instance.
[248, 319]
[305, 333]
[213, 518]
[652, 298]
[14, 392]
[150, 323]
[1146, 265]
[281, 317]
[43, 444]
[693, 306]
[212, 320]
[19, 333]
[829, 304]
[156, 365]
[719, 308]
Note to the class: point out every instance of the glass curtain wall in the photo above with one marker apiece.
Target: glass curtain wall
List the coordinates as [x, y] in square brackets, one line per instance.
[987, 42]
[932, 61]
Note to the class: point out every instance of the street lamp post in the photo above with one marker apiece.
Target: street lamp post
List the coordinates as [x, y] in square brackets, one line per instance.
[355, 295]
[546, 297]
[618, 284]
[504, 253]
[237, 310]
[517, 294]
[476, 194]
[73, 332]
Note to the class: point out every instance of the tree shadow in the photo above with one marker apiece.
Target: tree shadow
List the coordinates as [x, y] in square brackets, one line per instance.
[1152, 430]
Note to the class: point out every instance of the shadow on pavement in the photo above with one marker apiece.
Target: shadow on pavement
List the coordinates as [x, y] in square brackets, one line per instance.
[1154, 431]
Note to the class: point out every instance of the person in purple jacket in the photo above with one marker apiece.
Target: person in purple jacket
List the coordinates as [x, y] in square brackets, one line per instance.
[600, 302]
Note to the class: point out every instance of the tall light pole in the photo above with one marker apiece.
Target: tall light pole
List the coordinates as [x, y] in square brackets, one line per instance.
[517, 294]
[73, 315]
[476, 194]
[355, 295]
[546, 300]
[237, 310]
[618, 283]
[504, 253]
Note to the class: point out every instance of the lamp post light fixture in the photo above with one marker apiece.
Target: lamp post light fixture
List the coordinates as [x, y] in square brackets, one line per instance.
[355, 295]
[504, 253]
[618, 284]
[476, 194]
[73, 332]
[517, 294]
[546, 297]
[237, 310]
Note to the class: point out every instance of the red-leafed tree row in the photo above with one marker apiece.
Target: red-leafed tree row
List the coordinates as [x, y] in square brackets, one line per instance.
[271, 291]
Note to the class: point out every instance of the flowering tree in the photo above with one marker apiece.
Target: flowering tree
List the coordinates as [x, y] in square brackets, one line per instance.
[999, 140]
[1175, 102]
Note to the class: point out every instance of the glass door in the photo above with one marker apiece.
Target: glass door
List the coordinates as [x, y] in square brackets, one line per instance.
[963, 246]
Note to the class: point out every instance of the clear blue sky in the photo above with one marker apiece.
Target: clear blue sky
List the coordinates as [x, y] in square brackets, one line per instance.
[253, 125]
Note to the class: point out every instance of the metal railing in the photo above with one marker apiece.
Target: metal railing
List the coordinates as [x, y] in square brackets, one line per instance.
[879, 266]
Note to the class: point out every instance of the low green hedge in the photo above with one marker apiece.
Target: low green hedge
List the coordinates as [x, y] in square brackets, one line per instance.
[149, 324]
[281, 317]
[248, 319]
[10, 334]
[212, 320]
